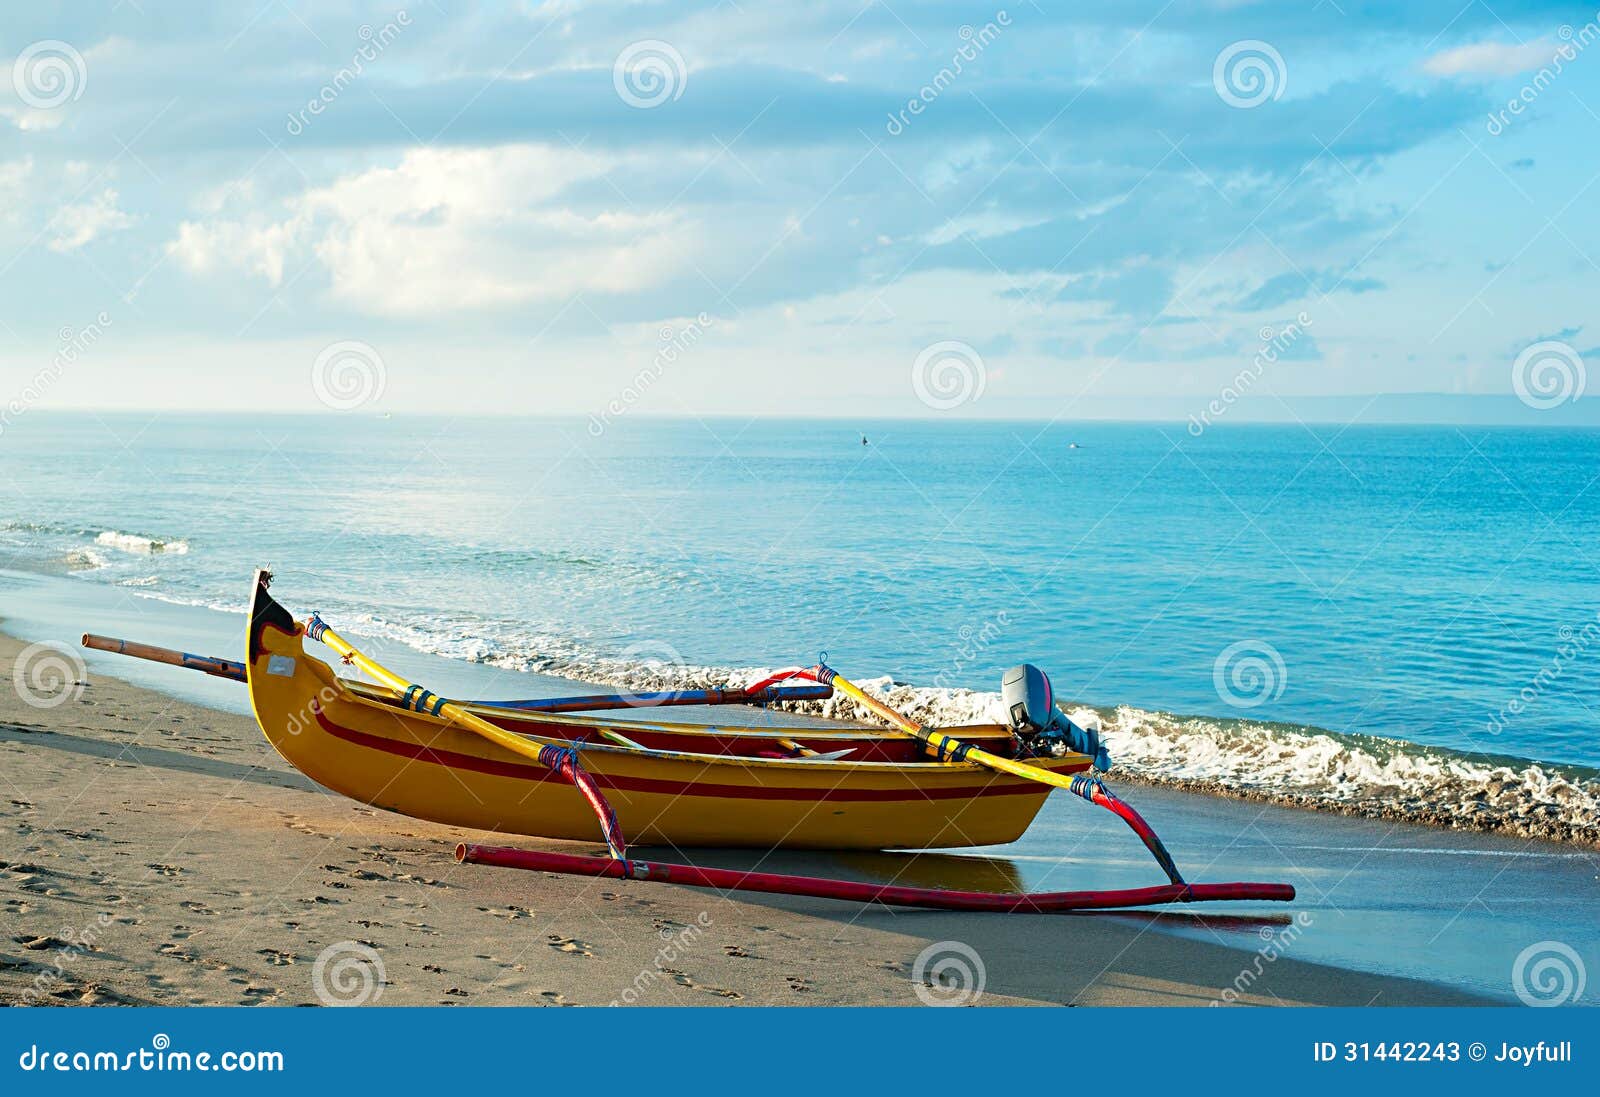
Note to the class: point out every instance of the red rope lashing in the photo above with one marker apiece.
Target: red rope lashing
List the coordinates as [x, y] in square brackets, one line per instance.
[564, 761]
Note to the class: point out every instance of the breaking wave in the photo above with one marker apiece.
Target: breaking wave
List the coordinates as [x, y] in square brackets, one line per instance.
[140, 544]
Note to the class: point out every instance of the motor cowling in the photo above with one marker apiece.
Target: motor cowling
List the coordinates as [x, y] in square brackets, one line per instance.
[1030, 706]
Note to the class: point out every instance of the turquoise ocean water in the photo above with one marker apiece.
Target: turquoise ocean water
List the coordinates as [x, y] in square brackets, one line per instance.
[1391, 613]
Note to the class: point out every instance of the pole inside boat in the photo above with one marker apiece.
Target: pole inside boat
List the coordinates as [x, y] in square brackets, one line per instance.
[227, 668]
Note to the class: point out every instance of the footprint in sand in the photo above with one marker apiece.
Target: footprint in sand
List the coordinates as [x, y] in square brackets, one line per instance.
[196, 908]
[568, 944]
[433, 968]
[554, 998]
[739, 952]
[276, 957]
[797, 984]
[164, 870]
[510, 913]
[40, 944]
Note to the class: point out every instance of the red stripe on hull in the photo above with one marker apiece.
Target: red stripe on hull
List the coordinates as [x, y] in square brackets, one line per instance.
[518, 771]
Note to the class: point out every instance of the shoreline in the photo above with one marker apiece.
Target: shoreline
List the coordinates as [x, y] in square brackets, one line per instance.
[166, 855]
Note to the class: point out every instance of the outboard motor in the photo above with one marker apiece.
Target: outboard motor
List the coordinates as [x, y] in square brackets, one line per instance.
[1030, 706]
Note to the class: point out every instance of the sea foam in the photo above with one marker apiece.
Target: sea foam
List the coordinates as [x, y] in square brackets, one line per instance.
[140, 544]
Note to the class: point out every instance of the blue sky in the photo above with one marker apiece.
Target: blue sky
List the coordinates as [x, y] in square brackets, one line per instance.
[524, 207]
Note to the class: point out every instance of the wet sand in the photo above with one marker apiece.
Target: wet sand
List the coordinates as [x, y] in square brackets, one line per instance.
[157, 851]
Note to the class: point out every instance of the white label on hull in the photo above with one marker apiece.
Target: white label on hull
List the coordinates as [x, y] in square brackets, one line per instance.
[281, 665]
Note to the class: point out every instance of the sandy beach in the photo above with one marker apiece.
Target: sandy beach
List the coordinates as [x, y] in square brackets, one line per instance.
[159, 852]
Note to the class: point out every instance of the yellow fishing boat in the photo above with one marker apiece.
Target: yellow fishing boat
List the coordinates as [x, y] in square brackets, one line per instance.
[669, 784]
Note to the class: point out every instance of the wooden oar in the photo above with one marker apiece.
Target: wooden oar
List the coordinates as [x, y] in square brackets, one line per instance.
[221, 668]
[559, 759]
[948, 747]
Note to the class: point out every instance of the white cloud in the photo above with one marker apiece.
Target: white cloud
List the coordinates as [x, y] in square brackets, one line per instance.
[452, 229]
[1490, 59]
[261, 247]
[76, 225]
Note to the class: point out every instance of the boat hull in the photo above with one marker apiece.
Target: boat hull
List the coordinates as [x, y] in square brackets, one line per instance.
[425, 767]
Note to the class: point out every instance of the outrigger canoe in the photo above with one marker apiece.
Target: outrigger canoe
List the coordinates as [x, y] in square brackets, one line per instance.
[534, 768]
[669, 784]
